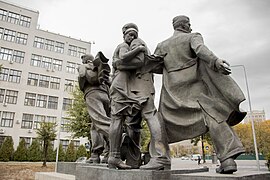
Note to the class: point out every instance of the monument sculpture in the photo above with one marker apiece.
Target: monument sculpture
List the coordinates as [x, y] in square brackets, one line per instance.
[94, 82]
[197, 94]
[132, 94]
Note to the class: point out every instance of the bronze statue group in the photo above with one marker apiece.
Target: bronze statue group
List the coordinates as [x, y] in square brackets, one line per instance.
[197, 96]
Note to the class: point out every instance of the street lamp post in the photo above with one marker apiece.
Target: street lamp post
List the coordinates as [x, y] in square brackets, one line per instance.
[58, 144]
[251, 114]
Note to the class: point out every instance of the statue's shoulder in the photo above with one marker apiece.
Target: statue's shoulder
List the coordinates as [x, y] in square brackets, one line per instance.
[122, 45]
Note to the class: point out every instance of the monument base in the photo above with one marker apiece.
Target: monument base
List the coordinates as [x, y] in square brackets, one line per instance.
[84, 171]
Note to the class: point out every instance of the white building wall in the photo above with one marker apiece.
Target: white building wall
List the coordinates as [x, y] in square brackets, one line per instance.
[19, 108]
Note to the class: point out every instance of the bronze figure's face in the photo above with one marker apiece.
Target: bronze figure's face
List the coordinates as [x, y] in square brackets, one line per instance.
[130, 36]
[186, 26]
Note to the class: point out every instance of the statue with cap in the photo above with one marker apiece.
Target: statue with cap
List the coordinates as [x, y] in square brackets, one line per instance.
[198, 95]
[94, 83]
[132, 98]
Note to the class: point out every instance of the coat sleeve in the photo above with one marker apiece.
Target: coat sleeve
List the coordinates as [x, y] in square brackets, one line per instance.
[202, 51]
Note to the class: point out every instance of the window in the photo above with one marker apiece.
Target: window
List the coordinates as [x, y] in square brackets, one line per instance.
[27, 121]
[81, 51]
[59, 47]
[38, 42]
[25, 21]
[10, 75]
[55, 83]
[6, 54]
[21, 38]
[66, 103]
[51, 119]
[1, 32]
[46, 62]
[71, 67]
[7, 119]
[57, 64]
[52, 102]
[69, 84]
[18, 56]
[35, 60]
[64, 143]
[14, 76]
[2, 95]
[76, 144]
[30, 99]
[3, 14]
[49, 44]
[64, 125]
[44, 81]
[72, 50]
[13, 18]
[27, 141]
[41, 101]
[9, 35]
[2, 138]
[32, 79]
[11, 97]
[37, 120]
[4, 74]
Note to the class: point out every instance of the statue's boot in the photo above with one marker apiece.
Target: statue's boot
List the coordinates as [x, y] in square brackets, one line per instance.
[116, 163]
[94, 158]
[227, 167]
[105, 158]
[156, 165]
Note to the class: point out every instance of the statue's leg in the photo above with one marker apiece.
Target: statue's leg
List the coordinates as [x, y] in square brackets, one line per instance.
[134, 132]
[97, 146]
[159, 148]
[115, 138]
[226, 143]
[95, 101]
[106, 149]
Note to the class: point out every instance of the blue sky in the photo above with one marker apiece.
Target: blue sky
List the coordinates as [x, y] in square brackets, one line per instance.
[237, 31]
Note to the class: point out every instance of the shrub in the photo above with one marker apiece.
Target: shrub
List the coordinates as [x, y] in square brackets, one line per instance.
[21, 151]
[34, 151]
[7, 150]
[70, 153]
[81, 152]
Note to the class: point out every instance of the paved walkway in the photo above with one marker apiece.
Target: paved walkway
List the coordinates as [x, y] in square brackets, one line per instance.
[243, 165]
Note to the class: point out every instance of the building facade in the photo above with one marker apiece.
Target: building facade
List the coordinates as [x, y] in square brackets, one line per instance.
[256, 115]
[38, 73]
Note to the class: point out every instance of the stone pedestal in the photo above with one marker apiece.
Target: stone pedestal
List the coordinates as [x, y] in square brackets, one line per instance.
[86, 171]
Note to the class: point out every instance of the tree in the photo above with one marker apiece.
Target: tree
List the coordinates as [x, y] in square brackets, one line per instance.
[61, 153]
[7, 150]
[262, 129]
[70, 153]
[80, 122]
[205, 138]
[21, 152]
[34, 151]
[262, 135]
[46, 133]
[145, 137]
[51, 153]
[244, 132]
[81, 152]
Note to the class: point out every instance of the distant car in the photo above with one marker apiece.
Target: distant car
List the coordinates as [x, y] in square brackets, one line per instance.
[81, 160]
[195, 157]
[185, 158]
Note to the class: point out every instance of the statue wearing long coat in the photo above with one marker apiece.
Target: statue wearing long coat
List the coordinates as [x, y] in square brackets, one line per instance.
[195, 97]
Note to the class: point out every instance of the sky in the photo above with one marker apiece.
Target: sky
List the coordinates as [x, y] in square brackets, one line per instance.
[235, 30]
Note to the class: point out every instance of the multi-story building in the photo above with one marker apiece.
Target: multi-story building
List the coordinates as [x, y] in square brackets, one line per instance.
[256, 116]
[38, 73]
